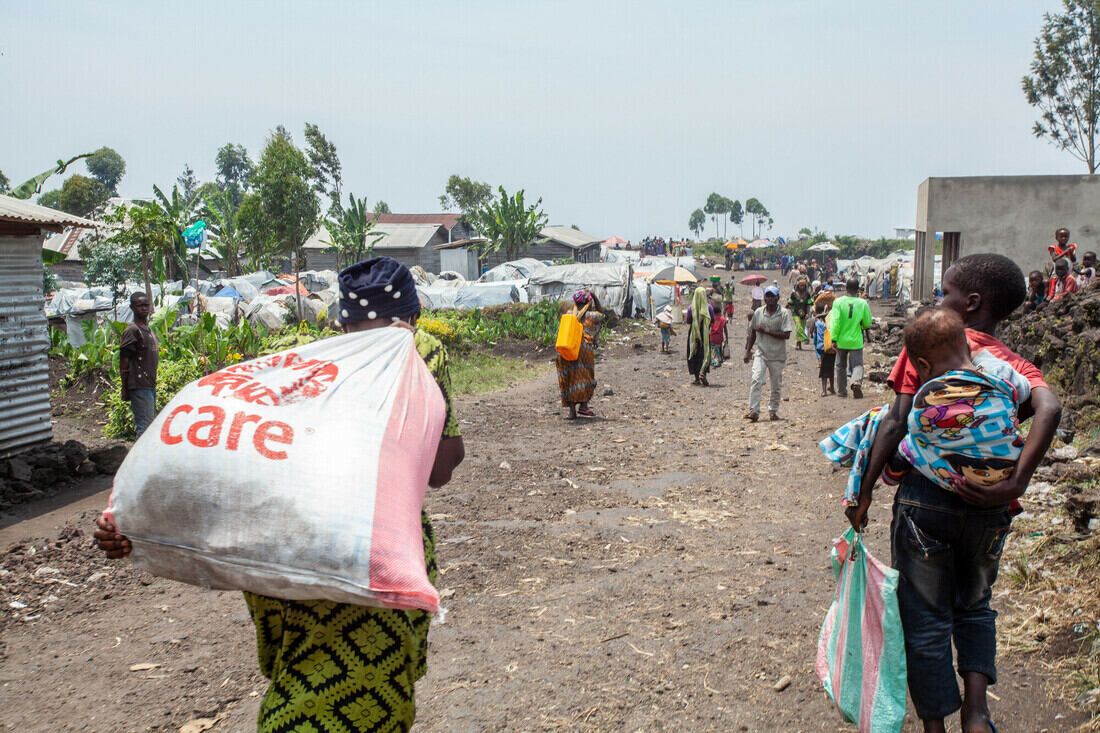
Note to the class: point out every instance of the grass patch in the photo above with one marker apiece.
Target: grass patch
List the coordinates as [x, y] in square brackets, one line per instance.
[477, 372]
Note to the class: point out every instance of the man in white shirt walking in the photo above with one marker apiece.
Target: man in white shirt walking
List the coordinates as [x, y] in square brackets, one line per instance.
[766, 348]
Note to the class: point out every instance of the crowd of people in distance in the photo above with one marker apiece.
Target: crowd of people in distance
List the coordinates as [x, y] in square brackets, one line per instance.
[810, 314]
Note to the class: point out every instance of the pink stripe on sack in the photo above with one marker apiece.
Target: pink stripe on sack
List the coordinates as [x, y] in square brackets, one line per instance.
[397, 575]
[873, 641]
[844, 552]
[821, 665]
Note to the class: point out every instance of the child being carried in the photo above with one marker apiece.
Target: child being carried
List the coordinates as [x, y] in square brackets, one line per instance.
[963, 424]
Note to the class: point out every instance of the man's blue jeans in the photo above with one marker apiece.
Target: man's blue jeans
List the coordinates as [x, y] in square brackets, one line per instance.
[143, 402]
[947, 553]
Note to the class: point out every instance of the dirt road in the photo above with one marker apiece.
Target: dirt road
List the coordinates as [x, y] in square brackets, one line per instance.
[659, 567]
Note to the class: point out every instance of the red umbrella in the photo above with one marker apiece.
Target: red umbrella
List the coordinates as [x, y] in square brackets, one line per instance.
[753, 279]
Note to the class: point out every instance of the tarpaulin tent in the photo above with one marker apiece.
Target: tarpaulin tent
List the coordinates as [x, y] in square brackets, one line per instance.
[612, 282]
[649, 298]
[520, 269]
[467, 295]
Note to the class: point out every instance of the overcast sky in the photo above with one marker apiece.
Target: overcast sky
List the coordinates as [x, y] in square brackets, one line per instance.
[622, 116]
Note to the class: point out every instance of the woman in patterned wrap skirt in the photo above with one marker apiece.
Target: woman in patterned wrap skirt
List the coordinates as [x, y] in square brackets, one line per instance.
[577, 379]
[339, 667]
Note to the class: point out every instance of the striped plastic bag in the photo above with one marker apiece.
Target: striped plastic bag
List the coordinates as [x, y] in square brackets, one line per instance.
[861, 651]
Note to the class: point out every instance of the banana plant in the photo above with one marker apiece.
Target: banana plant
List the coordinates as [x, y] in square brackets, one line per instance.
[176, 212]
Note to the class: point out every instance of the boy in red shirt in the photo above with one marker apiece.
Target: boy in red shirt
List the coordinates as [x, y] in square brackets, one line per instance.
[937, 601]
[1062, 282]
[1062, 246]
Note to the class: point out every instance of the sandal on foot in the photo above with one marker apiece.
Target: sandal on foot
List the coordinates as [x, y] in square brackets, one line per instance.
[750, 415]
[775, 416]
[586, 411]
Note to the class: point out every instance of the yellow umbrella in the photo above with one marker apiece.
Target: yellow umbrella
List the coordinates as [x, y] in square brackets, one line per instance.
[731, 245]
[674, 276]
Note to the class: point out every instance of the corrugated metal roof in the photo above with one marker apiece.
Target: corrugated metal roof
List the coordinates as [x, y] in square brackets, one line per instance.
[68, 241]
[461, 243]
[24, 346]
[401, 236]
[447, 221]
[570, 237]
[397, 236]
[24, 211]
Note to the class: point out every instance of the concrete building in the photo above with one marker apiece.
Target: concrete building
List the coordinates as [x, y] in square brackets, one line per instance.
[24, 340]
[1011, 215]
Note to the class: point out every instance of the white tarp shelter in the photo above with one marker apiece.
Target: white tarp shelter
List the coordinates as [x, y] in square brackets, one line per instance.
[612, 282]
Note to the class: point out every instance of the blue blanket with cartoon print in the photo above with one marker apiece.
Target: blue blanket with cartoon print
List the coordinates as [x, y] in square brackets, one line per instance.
[964, 425]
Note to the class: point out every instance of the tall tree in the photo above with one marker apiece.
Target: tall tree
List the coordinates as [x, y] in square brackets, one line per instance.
[188, 183]
[381, 207]
[5, 184]
[144, 229]
[737, 215]
[1064, 83]
[234, 171]
[760, 215]
[107, 167]
[51, 198]
[328, 176]
[466, 195]
[81, 195]
[509, 224]
[714, 202]
[697, 221]
[723, 210]
[279, 216]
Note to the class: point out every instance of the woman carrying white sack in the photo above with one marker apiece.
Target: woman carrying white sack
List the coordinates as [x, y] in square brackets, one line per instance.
[362, 660]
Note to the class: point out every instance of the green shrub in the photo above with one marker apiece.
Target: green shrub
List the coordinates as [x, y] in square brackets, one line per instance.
[172, 376]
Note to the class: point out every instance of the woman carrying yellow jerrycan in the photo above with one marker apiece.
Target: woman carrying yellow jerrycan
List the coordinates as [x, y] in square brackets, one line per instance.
[577, 339]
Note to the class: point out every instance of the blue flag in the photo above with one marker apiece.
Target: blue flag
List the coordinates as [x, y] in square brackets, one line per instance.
[195, 234]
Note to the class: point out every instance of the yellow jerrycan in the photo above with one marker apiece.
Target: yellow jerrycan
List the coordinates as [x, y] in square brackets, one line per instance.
[570, 333]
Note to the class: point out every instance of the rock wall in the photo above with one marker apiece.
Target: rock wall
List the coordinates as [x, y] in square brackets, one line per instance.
[42, 470]
[1063, 340]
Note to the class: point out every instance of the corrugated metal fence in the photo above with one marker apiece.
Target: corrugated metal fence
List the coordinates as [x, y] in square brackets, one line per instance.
[24, 346]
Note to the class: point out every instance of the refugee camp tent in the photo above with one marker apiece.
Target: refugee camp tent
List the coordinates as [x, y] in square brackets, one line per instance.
[272, 311]
[469, 295]
[612, 282]
[649, 297]
[520, 269]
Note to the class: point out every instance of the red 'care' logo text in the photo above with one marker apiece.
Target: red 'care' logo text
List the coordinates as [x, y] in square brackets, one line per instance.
[206, 426]
[281, 379]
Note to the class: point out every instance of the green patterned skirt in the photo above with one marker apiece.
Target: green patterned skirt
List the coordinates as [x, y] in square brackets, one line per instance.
[339, 668]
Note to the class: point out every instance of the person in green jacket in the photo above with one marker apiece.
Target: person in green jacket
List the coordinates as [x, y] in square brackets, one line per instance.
[851, 316]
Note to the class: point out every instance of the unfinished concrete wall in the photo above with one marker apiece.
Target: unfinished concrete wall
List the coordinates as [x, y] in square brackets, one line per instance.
[1012, 215]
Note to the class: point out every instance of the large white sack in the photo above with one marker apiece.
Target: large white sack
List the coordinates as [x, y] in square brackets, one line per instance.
[299, 475]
